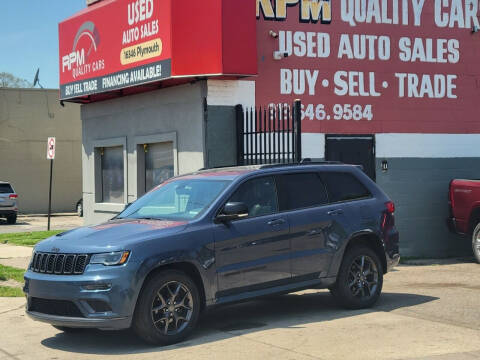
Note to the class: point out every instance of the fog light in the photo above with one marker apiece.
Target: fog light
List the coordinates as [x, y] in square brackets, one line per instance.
[102, 286]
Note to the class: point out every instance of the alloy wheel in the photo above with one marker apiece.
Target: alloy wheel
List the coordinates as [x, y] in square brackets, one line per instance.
[362, 278]
[476, 246]
[172, 308]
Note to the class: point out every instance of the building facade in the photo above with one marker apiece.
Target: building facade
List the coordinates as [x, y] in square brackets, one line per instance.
[27, 118]
[391, 85]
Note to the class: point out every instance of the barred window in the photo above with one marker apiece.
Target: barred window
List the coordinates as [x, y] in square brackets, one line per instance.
[112, 174]
[159, 164]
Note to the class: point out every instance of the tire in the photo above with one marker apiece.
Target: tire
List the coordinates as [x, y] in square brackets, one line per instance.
[169, 319]
[11, 219]
[80, 209]
[476, 242]
[354, 288]
[68, 329]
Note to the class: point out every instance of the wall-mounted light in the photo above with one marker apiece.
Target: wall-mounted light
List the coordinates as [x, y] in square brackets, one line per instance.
[273, 34]
[384, 165]
[474, 29]
[278, 55]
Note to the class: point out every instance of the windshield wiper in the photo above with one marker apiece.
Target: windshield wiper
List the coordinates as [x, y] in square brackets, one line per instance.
[146, 218]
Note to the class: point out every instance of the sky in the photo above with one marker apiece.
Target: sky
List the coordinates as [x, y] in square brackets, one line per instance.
[29, 37]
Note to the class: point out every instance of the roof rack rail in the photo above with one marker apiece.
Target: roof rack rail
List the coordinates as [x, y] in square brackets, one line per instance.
[267, 166]
[227, 167]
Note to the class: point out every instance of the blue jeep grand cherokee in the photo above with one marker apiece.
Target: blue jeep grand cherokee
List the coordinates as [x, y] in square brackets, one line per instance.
[215, 237]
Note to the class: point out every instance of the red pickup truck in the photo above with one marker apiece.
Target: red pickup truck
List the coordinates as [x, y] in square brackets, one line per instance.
[464, 201]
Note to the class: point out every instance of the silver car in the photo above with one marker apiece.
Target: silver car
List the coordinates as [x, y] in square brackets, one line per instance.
[8, 202]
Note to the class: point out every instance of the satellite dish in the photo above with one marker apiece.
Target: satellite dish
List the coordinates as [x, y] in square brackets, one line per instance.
[36, 80]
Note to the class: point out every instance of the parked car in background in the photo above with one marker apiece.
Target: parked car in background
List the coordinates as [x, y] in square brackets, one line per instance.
[8, 202]
[464, 203]
[216, 237]
[79, 207]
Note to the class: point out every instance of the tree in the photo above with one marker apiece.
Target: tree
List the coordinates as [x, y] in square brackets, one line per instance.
[8, 80]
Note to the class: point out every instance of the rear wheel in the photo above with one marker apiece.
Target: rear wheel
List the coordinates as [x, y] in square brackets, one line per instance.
[11, 219]
[167, 309]
[360, 279]
[476, 242]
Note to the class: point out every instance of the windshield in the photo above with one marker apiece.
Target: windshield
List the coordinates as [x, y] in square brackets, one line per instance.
[176, 200]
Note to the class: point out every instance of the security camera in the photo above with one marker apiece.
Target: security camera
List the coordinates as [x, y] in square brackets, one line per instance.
[278, 55]
[273, 34]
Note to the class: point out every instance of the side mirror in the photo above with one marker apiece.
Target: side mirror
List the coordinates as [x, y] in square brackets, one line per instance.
[232, 211]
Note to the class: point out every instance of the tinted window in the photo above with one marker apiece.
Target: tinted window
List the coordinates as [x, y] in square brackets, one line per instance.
[297, 191]
[344, 186]
[5, 189]
[112, 174]
[260, 196]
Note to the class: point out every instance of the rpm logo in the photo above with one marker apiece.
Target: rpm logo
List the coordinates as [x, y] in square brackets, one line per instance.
[310, 11]
[86, 41]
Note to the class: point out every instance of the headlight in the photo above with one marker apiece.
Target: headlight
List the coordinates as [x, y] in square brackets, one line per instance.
[112, 258]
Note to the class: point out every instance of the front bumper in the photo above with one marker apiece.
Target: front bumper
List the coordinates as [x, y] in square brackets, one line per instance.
[65, 300]
[105, 324]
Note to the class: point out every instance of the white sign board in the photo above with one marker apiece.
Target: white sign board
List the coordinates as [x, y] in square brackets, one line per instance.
[51, 148]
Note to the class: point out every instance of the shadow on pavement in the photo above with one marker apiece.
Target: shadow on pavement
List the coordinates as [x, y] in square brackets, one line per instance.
[19, 222]
[273, 312]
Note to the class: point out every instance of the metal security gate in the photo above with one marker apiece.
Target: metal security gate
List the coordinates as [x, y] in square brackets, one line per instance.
[269, 134]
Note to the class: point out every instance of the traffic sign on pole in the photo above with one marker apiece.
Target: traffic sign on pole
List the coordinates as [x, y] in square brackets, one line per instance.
[50, 156]
[51, 148]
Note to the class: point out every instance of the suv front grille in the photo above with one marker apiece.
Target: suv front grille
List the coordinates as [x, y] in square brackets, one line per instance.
[60, 264]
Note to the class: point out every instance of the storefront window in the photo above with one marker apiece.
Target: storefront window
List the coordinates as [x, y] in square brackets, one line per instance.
[112, 174]
[159, 164]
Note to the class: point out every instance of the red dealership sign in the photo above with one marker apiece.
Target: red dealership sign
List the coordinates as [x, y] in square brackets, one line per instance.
[116, 44]
[372, 66]
[120, 44]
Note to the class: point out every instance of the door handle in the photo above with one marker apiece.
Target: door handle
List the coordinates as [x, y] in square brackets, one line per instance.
[335, 212]
[276, 222]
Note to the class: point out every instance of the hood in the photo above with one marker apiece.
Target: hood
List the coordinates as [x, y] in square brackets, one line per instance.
[114, 235]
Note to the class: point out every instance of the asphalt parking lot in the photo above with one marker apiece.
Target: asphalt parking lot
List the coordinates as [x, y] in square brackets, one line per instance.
[425, 312]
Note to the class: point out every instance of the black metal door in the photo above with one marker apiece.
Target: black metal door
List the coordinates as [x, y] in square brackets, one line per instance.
[352, 149]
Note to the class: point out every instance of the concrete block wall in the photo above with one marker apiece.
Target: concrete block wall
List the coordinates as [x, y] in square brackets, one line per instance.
[27, 118]
[420, 167]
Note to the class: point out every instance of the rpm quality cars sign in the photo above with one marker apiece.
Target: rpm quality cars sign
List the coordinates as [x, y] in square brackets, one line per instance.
[121, 43]
[372, 66]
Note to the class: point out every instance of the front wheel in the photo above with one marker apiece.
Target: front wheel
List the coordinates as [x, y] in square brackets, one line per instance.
[476, 242]
[167, 309]
[360, 279]
[80, 209]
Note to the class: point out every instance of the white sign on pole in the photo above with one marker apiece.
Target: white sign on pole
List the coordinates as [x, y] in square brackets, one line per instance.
[51, 148]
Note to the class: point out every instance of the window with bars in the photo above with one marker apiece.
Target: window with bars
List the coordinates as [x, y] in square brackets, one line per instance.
[112, 174]
[159, 165]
